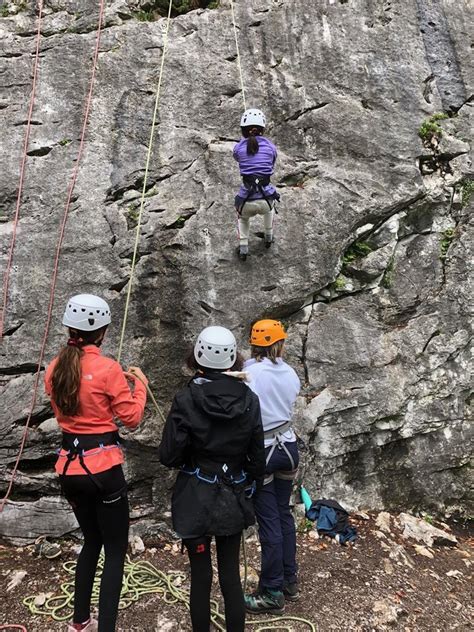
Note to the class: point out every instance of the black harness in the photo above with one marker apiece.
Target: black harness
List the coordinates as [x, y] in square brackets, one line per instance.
[255, 183]
[77, 444]
[227, 473]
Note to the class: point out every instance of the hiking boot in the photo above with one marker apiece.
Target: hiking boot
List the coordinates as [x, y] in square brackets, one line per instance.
[45, 548]
[291, 591]
[265, 600]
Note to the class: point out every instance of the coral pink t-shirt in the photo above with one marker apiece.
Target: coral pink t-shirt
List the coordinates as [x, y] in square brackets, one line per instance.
[104, 395]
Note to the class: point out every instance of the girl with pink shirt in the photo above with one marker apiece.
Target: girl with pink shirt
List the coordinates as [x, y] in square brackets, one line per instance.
[88, 391]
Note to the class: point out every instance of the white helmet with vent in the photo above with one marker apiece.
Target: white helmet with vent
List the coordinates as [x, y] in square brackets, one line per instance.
[215, 348]
[86, 312]
[253, 117]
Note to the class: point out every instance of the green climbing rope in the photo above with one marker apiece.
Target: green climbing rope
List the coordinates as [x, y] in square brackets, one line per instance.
[142, 578]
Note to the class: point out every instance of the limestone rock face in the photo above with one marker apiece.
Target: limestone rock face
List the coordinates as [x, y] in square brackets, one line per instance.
[373, 254]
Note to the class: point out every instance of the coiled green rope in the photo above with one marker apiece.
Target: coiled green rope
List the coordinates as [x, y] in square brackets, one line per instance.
[142, 578]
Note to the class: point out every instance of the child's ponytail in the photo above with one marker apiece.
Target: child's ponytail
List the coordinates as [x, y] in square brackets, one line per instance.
[251, 133]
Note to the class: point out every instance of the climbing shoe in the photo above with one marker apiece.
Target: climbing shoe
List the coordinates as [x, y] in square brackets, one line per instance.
[243, 252]
[88, 626]
[291, 591]
[265, 600]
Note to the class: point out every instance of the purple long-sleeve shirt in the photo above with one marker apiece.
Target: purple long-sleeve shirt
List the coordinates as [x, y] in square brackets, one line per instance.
[260, 163]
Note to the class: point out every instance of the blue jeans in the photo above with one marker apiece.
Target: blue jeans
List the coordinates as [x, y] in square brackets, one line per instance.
[276, 525]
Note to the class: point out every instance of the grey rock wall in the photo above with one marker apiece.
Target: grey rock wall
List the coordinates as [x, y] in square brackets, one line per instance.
[372, 265]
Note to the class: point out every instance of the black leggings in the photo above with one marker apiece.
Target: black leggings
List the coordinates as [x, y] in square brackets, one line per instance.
[103, 518]
[199, 551]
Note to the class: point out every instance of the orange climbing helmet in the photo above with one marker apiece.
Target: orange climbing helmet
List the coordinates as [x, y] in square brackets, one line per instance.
[266, 332]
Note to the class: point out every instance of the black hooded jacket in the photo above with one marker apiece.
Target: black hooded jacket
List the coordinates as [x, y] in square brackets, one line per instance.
[215, 425]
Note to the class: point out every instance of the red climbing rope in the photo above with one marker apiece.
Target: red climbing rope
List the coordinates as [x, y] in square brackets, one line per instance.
[58, 253]
[6, 277]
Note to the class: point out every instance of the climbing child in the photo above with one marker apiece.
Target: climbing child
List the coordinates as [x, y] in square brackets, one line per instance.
[88, 391]
[256, 156]
[277, 387]
[213, 435]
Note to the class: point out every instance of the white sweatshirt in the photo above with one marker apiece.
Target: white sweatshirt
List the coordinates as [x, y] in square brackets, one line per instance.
[277, 387]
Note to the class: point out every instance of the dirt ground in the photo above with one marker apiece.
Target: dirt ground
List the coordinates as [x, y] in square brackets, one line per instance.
[380, 583]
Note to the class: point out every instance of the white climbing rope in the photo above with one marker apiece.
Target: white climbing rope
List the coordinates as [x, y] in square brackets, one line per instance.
[238, 53]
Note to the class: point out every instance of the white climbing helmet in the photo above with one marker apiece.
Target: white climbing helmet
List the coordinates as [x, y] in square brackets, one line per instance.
[215, 348]
[253, 117]
[86, 312]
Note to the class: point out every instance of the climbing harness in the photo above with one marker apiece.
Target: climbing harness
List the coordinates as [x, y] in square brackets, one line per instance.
[221, 478]
[58, 254]
[145, 182]
[254, 183]
[6, 277]
[276, 434]
[82, 446]
[213, 479]
[143, 578]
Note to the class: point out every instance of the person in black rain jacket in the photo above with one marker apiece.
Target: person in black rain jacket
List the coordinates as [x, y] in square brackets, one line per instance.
[214, 435]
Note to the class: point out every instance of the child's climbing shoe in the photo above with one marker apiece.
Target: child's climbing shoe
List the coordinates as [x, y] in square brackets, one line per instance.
[265, 600]
[291, 591]
[88, 626]
[243, 252]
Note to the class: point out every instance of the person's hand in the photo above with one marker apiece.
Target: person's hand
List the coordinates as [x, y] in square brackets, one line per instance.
[134, 372]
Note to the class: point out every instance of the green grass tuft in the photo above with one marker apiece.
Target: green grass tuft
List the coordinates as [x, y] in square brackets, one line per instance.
[305, 525]
[467, 189]
[133, 212]
[387, 278]
[159, 8]
[446, 239]
[357, 250]
[430, 128]
[145, 16]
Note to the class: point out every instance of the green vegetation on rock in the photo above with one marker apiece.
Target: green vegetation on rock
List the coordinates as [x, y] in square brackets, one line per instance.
[145, 16]
[305, 525]
[133, 212]
[387, 278]
[446, 239]
[12, 8]
[467, 189]
[357, 250]
[430, 128]
[159, 8]
[180, 222]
